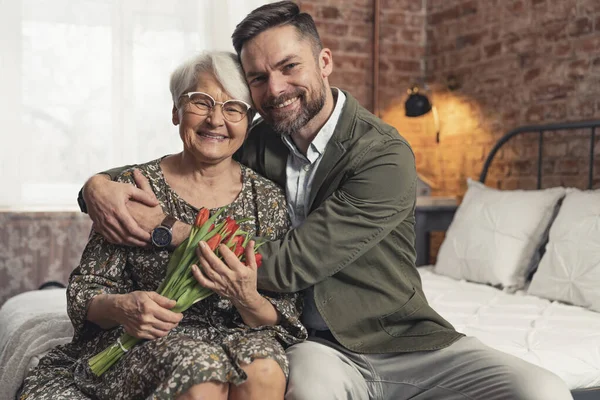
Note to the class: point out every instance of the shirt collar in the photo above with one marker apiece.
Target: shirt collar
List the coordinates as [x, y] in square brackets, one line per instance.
[324, 135]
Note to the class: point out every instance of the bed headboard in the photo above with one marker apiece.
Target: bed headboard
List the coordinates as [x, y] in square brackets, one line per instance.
[539, 130]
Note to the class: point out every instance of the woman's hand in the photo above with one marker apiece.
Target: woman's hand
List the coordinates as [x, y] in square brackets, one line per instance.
[107, 207]
[236, 281]
[146, 315]
[232, 280]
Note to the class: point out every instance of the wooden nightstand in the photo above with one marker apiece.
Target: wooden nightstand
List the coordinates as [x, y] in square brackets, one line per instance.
[431, 214]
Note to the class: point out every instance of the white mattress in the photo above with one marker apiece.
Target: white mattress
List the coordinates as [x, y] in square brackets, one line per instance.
[561, 338]
[564, 339]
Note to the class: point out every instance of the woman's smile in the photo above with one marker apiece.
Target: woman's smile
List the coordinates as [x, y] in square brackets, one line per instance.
[213, 136]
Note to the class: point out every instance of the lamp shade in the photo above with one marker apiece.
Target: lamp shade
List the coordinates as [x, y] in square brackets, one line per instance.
[417, 104]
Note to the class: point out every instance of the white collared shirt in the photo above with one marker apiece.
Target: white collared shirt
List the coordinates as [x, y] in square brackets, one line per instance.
[300, 170]
[300, 173]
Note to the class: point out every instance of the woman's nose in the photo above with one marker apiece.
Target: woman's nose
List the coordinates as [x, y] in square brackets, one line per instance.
[215, 115]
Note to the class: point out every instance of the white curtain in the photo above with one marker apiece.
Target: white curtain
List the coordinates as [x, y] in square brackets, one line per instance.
[84, 86]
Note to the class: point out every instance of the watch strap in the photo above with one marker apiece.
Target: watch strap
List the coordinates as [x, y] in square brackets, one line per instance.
[168, 222]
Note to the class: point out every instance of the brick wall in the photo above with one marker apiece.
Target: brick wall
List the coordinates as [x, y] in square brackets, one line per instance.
[346, 27]
[518, 62]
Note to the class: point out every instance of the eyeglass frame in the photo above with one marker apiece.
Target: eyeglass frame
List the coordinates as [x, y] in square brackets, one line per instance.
[222, 103]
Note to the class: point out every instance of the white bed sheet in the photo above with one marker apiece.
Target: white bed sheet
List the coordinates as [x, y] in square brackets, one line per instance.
[561, 338]
[31, 324]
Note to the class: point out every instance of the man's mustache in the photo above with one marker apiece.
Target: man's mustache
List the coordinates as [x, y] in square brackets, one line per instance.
[274, 101]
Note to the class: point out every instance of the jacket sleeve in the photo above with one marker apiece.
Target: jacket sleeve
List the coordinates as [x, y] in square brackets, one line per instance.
[377, 194]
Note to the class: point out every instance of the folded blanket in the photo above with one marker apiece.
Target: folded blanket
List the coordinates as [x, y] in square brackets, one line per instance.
[31, 324]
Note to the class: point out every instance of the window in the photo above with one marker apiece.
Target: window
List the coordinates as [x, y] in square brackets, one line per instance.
[85, 86]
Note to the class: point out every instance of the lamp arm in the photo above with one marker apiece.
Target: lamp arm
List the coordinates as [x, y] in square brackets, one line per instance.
[436, 122]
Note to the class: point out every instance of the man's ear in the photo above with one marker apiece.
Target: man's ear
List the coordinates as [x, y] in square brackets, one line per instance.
[325, 62]
[175, 115]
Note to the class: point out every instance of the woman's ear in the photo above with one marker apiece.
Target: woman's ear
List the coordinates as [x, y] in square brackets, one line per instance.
[175, 115]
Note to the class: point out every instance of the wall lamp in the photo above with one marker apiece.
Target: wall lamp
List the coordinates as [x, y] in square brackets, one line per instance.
[418, 105]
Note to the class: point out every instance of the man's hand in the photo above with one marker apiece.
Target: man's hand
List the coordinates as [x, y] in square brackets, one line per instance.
[147, 217]
[107, 207]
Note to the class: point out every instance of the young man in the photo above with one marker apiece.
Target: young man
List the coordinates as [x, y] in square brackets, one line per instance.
[350, 184]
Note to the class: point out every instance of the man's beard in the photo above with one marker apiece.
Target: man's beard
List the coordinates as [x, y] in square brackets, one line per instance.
[292, 122]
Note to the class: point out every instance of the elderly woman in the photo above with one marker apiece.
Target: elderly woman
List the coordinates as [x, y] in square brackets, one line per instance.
[221, 348]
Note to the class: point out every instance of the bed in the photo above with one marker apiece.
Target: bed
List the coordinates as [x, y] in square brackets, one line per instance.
[520, 269]
[495, 278]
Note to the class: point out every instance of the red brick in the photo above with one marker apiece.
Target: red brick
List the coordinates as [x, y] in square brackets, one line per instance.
[361, 30]
[523, 167]
[577, 70]
[444, 16]
[334, 29]
[534, 113]
[563, 49]
[406, 66]
[580, 27]
[356, 46]
[471, 39]
[468, 8]
[579, 148]
[554, 30]
[493, 50]
[567, 167]
[330, 13]
[587, 7]
[408, 5]
[411, 35]
[515, 6]
[556, 112]
[588, 45]
[552, 91]
[553, 149]
[348, 62]
[582, 108]
[531, 74]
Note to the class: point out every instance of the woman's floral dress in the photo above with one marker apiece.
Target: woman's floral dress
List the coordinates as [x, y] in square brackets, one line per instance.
[209, 344]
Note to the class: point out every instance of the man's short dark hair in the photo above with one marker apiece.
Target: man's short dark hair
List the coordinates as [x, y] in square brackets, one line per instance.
[273, 15]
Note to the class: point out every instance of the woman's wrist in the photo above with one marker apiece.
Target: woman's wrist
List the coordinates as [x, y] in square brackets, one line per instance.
[252, 303]
[181, 231]
[103, 310]
[257, 311]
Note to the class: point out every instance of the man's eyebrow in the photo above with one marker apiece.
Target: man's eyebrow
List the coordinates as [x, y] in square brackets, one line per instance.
[285, 60]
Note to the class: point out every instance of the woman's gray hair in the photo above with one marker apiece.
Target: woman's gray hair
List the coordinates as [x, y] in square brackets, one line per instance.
[224, 65]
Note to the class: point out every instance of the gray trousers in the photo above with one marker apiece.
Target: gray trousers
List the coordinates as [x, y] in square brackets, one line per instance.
[467, 369]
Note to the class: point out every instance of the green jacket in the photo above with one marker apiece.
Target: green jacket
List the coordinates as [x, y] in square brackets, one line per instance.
[357, 246]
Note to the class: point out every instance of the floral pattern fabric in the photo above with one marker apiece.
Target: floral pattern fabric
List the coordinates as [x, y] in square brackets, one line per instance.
[211, 343]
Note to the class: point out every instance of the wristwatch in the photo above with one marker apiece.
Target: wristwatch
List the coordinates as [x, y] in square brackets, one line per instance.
[163, 233]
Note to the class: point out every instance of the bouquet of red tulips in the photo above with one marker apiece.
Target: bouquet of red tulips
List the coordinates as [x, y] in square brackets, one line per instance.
[180, 284]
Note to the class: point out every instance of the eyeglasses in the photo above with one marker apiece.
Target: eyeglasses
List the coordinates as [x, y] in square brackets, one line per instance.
[203, 103]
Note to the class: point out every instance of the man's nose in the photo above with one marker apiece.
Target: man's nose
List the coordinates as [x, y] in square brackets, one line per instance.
[277, 85]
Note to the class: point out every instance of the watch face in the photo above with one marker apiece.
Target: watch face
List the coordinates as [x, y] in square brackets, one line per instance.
[161, 236]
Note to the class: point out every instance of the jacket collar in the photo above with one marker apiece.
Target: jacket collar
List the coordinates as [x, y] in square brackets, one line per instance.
[335, 149]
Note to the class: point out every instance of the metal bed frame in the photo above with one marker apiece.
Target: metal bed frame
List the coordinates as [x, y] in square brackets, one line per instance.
[580, 394]
[539, 130]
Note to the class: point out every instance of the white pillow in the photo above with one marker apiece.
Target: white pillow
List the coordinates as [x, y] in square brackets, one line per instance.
[570, 268]
[495, 234]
